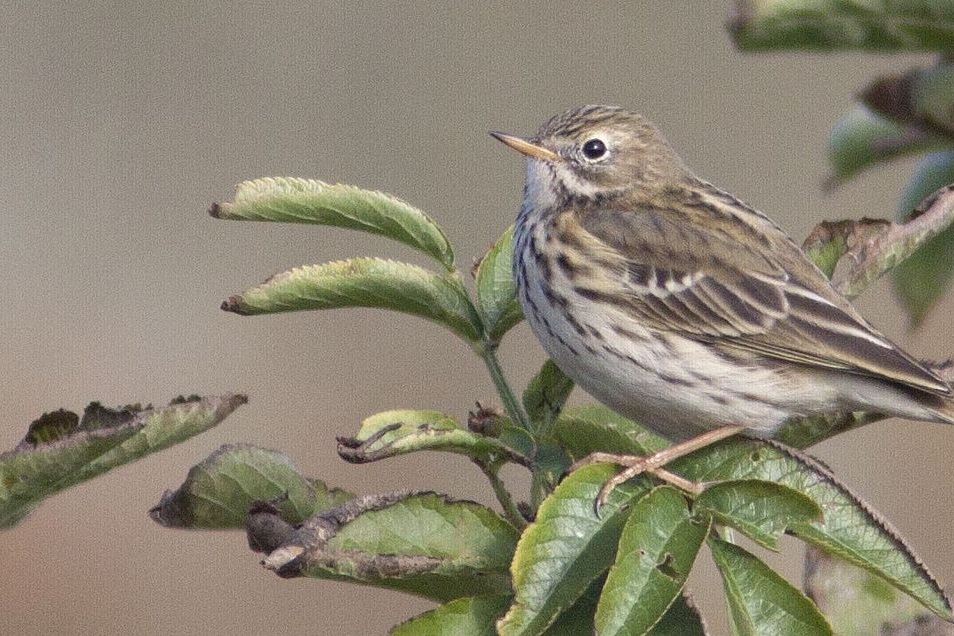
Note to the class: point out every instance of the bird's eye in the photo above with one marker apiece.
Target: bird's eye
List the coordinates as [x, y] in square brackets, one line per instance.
[594, 149]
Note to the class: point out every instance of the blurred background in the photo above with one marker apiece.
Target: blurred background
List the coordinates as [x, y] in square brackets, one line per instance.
[120, 122]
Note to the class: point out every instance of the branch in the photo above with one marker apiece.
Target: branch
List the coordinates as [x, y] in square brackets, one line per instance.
[874, 247]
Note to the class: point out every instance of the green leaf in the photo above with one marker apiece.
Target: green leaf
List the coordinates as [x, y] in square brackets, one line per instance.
[849, 528]
[658, 547]
[876, 25]
[862, 138]
[469, 616]
[292, 200]
[761, 601]
[682, 619]
[760, 510]
[808, 431]
[421, 543]
[165, 427]
[496, 289]
[218, 492]
[590, 429]
[546, 394]
[30, 473]
[923, 279]
[398, 432]
[364, 282]
[858, 603]
[61, 450]
[579, 618]
[567, 548]
[550, 463]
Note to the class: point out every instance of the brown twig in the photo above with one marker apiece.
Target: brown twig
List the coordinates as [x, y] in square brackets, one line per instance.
[876, 254]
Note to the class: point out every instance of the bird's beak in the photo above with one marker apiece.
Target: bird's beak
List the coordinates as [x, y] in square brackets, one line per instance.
[526, 147]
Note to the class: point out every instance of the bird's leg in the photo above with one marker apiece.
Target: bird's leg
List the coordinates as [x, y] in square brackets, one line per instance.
[635, 464]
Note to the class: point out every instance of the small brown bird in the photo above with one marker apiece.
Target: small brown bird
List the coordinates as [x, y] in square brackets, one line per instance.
[677, 305]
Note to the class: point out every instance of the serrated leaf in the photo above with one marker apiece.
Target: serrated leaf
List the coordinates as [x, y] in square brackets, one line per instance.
[760, 510]
[658, 546]
[849, 528]
[364, 282]
[862, 138]
[857, 603]
[421, 543]
[469, 616]
[403, 431]
[566, 548]
[54, 458]
[923, 279]
[876, 25]
[546, 394]
[496, 289]
[589, 429]
[761, 601]
[292, 200]
[218, 492]
[30, 474]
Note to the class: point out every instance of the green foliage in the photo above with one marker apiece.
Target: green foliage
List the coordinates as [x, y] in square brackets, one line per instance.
[921, 280]
[567, 548]
[910, 113]
[364, 282]
[545, 396]
[398, 432]
[61, 450]
[468, 616]
[496, 289]
[760, 601]
[291, 200]
[656, 551]
[761, 510]
[862, 139]
[219, 491]
[553, 566]
[420, 543]
[875, 25]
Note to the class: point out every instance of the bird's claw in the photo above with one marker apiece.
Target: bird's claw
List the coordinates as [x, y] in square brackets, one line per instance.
[634, 466]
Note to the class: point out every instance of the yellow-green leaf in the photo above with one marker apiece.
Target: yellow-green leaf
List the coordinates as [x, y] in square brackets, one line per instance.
[292, 200]
[365, 282]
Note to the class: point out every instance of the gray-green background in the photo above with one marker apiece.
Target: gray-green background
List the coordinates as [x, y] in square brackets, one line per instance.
[120, 122]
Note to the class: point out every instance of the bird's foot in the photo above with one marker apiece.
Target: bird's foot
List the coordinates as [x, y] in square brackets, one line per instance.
[653, 464]
[634, 465]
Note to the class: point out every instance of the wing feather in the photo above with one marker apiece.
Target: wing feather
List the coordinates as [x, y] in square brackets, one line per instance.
[726, 288]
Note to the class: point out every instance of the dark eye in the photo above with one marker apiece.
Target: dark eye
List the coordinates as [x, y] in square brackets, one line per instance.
[594, 149]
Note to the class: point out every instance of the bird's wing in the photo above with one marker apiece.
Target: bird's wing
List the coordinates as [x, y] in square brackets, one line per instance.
[729, 282]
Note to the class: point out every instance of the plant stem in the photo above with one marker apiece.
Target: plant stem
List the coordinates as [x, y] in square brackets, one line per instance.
[503, 496]
[514, 409]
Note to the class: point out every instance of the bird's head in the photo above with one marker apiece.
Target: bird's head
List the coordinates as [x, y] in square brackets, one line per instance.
[594, 152]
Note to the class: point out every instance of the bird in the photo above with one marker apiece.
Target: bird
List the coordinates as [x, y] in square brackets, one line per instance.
[679, 306]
